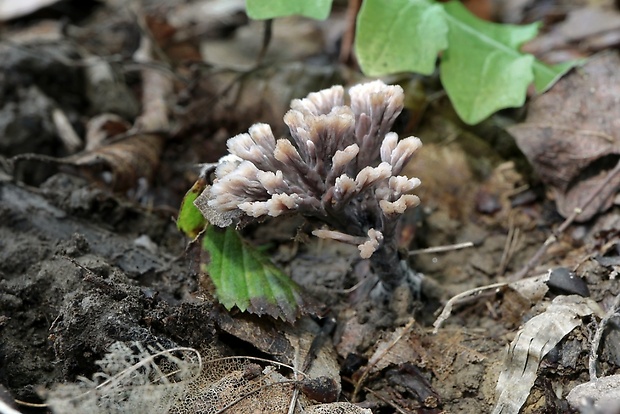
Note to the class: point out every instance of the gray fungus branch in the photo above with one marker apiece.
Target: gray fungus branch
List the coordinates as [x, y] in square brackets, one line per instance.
[341, 168]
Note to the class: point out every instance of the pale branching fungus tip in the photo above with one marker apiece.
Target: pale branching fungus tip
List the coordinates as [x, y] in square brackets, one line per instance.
[341, 166]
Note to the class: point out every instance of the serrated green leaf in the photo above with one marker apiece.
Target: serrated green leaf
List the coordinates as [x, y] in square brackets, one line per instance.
[269, 9]
[245, 278]
[400, 35]
[190, 220]
[483, 70]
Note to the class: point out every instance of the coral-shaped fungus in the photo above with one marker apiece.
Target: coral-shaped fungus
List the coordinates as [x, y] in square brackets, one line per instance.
[341, 167]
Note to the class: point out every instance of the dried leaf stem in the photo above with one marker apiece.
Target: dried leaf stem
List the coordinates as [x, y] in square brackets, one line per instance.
[441, 249]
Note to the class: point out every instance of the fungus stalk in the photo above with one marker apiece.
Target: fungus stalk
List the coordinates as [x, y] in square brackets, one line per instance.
[341, 168]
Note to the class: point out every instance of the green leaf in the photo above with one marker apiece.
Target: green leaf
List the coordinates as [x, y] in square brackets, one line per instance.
[546, 76]
[268, 9]
[190, 220]
[245, 278]
[400, 35]
[483, 70]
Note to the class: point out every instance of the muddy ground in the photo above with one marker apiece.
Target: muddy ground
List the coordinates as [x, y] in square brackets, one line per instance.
[87, 261]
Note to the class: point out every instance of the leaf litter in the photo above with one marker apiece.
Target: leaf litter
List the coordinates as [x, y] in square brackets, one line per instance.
[535, 340]
[137, 379]
[571, 136]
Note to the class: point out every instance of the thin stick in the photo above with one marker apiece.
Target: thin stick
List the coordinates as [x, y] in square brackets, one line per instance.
[441, 249]
[346, 47]
[454, 300]
[354, 287]
[267, 34]
[127, 64]
[293, 402]
[148, 360]
[517, 190]
[251, 358]
[512, 241]
[507, 246]
[569, 220]
[26, 404]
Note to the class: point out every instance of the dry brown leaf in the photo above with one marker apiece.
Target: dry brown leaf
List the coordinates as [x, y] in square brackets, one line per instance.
[586, 29]
[537, 337]
[588, 21]
[395, 350]
[445, 348]
[102, 127]
[127, 160]
[572, 136]
[385, 352]
[136, 157]
[135, 379]
[291, 344]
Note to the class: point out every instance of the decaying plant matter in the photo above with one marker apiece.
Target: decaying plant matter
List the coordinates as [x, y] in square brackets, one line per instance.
[341, 168]
[136, 379]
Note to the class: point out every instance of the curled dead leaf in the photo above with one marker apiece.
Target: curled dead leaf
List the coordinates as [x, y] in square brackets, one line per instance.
[537, 337]
[126, 160]
[103, 127]
[572, 136]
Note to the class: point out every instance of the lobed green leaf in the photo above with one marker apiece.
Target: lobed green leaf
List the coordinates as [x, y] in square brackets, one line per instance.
[400, 35]
[482, 68]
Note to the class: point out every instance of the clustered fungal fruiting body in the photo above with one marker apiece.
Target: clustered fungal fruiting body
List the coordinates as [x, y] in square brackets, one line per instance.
[341, 167]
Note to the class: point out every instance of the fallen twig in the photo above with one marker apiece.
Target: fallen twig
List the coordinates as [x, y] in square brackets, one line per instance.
[441, 249]
[267, 34]
[474, 293]
[460, 298]
[512, 240]
[348, 37]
